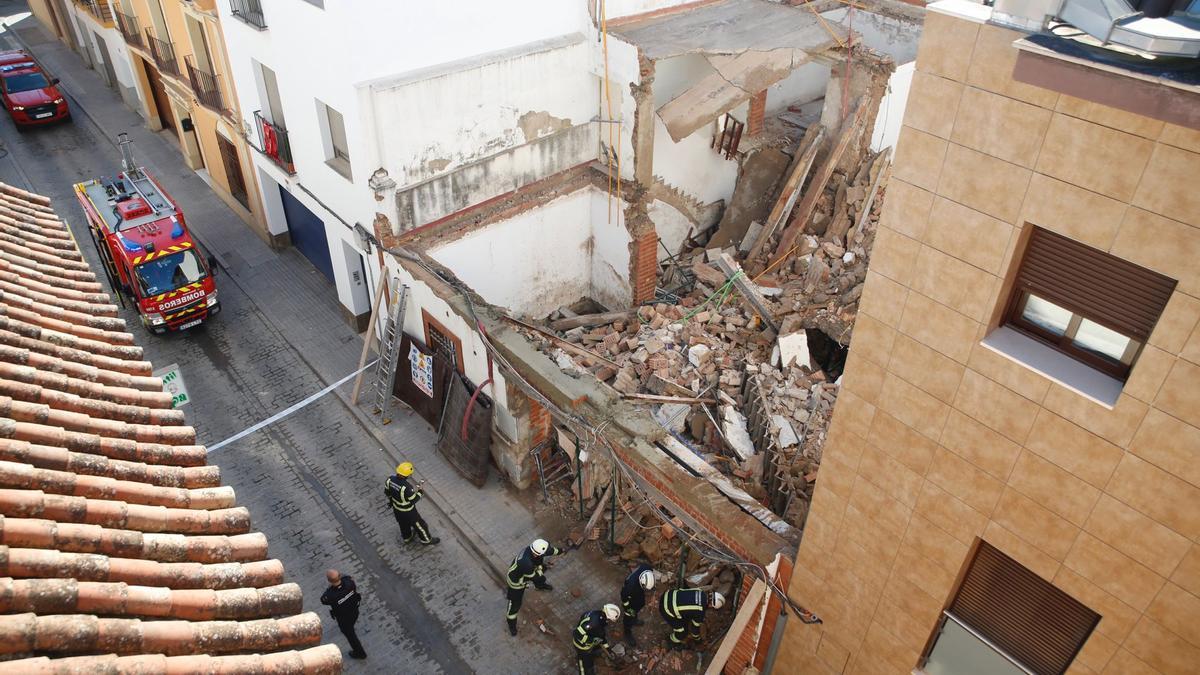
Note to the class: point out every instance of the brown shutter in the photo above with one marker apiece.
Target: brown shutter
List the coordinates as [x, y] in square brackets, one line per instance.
[1024, 615]
[1116, 293]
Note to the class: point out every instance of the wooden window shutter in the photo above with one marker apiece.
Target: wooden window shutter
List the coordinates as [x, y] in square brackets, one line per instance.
[1125, 297]
[1024, 615]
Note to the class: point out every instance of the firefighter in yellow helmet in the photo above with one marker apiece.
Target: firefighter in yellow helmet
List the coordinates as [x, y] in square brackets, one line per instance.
[404, 497]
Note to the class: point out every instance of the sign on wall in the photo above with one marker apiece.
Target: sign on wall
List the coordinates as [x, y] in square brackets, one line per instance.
[422, 369]
[173, 384]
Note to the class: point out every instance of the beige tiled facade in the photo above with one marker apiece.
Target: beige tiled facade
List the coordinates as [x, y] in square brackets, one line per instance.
[937, 439]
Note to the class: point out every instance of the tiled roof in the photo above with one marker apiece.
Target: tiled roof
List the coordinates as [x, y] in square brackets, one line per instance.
[120, 550]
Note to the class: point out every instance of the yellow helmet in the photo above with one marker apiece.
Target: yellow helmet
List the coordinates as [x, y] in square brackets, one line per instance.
[404, 469]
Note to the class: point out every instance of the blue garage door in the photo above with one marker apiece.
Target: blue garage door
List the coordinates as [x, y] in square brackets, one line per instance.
[308, 233]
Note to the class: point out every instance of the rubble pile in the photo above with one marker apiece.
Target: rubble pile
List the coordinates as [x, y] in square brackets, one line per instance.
[748, 384]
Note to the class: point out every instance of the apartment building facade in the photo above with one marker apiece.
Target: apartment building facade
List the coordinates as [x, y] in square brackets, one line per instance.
[167, 59]
[1010, 480]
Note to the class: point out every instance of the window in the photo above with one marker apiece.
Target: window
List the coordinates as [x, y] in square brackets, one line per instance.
[1006, 620]
[337, 149]
[1094, 307]
[442, 342]
[169, 273]
[26, 82]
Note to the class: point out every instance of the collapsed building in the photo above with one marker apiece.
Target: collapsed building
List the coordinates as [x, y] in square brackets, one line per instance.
[633, 279]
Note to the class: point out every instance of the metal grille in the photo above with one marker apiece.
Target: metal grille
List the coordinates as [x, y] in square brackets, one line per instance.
[443, 345]
[129, 29]
[163, 53]
[1125, 297]
[1021, 613]
[249, 11]
[233, 171]
[204, 85]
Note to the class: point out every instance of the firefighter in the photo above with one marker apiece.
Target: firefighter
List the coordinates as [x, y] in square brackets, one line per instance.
[683, 610]
[342, 597]
[633, 598]
[526, 567]
[590, 633]
[404, 498]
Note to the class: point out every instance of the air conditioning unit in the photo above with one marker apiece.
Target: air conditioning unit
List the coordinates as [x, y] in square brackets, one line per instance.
[1157, 27]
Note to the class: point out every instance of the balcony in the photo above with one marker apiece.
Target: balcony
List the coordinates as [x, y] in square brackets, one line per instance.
[164, 55]
[204, 86]
[249, 11]
[98, 9]
[273, 142]
[128, 25]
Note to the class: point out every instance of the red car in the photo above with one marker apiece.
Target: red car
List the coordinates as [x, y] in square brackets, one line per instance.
[29, 95]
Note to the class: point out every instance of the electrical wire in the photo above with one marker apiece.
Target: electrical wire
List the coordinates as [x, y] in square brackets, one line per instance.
[593, 434]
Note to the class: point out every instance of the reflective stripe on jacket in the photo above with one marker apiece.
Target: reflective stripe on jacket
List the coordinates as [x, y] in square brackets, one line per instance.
[685, 603]
[590, 631]
[401, 493]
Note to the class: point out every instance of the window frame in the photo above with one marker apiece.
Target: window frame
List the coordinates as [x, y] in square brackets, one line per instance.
[1065, 343]
[431, 326]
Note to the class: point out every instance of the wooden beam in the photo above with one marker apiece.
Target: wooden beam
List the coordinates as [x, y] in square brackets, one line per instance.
[589, 320]
[880, 178]
[684, 455]
[820, 180]
[652, 398]
[566, 344]
[748, 290]
[750, 606]
[595, 515]
[362, 358]
[791, 189]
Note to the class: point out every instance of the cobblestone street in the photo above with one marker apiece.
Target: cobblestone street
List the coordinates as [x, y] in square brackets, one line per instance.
[312, 482]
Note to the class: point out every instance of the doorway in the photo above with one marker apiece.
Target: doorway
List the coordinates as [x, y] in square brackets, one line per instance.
[308, 233]
[104, 54]
[162, 103]
[233, 171]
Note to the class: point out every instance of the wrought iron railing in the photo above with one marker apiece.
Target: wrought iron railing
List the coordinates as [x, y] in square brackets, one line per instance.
[249, 11]
[204, 85]
[273, 142]
[128, 25]
[98, 9]
[163, 53]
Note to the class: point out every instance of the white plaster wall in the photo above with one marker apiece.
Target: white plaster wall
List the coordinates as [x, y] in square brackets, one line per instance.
[375, 38]
[532, 263]
[475, 108]
[692, 165]
[422, 297]
[891, 108]
[671, 225]
[675, 75]
[544, 258]
[806, 83]
[623, 71]
[610, 251]
[895, 37]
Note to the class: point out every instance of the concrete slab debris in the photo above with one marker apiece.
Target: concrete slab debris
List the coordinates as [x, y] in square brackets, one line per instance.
[793, 350]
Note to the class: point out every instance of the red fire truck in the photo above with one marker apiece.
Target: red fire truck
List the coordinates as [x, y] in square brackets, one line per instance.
[147, 251]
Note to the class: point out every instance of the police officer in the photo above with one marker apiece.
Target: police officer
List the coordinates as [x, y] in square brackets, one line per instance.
[342, 597]
[683, 610]
[404, 498]
[633, 598]
[590, 633]
[526, 567]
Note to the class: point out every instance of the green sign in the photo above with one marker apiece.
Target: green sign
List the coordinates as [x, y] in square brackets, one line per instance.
[173, 384]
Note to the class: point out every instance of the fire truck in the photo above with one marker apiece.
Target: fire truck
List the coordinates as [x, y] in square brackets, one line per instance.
[147, 251]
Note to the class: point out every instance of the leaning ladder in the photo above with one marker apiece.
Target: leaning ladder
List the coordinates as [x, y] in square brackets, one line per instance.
[389, 351]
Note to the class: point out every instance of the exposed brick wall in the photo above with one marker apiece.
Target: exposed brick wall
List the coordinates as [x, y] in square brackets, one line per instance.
[539, 423]
[643, 265]
[758, 110]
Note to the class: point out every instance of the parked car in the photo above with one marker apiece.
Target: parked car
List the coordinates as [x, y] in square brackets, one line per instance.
[29, 94]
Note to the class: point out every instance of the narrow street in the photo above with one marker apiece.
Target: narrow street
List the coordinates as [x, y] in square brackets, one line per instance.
[312, 482]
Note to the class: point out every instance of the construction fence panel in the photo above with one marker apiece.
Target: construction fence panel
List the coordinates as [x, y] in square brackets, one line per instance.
[465, 439]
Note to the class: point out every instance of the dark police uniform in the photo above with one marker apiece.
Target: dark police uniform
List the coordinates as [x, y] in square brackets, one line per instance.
[588, 636]
[526, 567]
[404, 498]
[343, 605]
[683, 610]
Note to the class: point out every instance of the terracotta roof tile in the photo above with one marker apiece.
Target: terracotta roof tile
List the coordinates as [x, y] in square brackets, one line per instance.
[41, 563]
[317, 660]
[109, 512]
